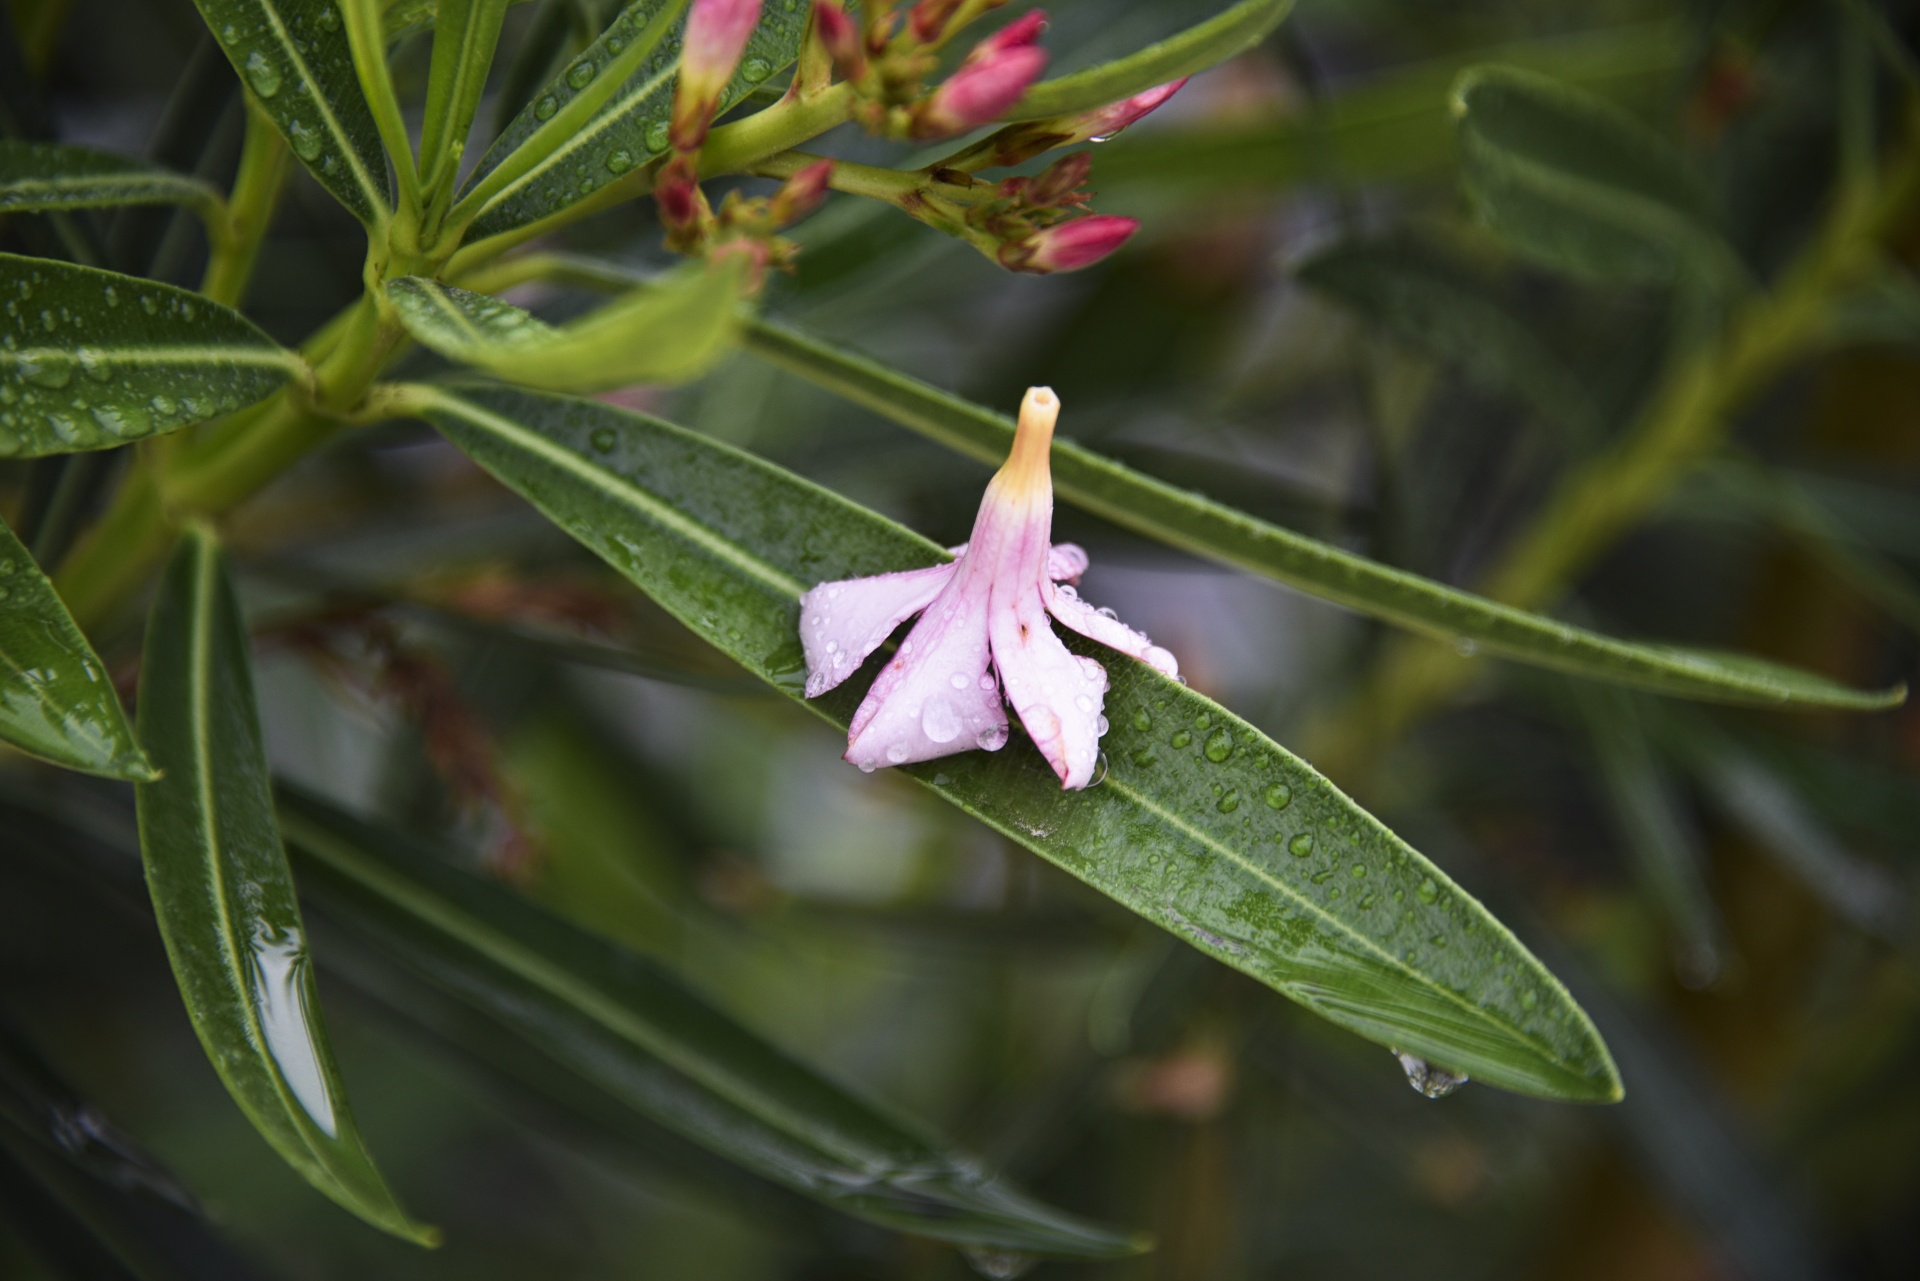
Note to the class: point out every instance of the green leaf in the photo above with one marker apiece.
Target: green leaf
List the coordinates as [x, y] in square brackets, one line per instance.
[465, 34]
[629, 1028]
[1203, 45]
[36, 177]
[1409, 291]
[1220, 533]
[223, 894]
[294, 57]
[56, 701]
[1580, 186]
[578, 135]
[1202, 825]
[668, 332]
[91, 359]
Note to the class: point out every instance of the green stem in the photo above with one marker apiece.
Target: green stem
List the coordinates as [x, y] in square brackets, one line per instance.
[1685, 420]
[256, 189]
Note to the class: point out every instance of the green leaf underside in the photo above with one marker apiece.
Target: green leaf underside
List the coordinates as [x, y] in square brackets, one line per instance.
[631, 129]
[631, 1029]
[90, 359]
[668, 331]
[1203, 45]
[223, 894]
[1196, 524]
[294, 58]
[56, 701]
[1202, 825]
[1577, 184]
[1411, 292]
[40, 176]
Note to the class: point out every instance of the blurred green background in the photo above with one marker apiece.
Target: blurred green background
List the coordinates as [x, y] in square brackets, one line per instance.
[1728, 893]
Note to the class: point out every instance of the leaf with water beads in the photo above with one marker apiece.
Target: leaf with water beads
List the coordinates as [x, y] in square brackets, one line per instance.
[1307, 892]
[91, 359]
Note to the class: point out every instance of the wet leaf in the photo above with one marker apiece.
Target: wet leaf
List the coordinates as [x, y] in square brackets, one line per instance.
[223, 894]
[1206, 528]
[36, 177]
[666, 332]
[1578, 185]
[56, 700]
[632, 1030]
[91, 359]
[1203, 825]
[294, 58]
[1230, 32]
[465, 34]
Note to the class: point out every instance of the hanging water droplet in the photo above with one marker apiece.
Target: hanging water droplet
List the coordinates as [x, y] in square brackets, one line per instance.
[1219, 746]
[1434, 1082]
[1279, 796]
[991, 739]
[939, 721]
[544, 109]
[262, 74]
[1001, 1265]
[1101, 727]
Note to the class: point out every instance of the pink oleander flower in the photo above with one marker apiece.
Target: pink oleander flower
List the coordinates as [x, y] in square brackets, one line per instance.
[983, 639]
[716, 36]
[1069, 246]
[991, 79]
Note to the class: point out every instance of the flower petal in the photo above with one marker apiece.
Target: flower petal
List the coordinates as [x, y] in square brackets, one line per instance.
[1057, 693]
[843, 622]
[937, 695]
[1064, 603]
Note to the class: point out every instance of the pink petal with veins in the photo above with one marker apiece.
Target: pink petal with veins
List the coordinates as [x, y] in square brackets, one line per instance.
[841, 623]
[1064, 603]
[1057, 694]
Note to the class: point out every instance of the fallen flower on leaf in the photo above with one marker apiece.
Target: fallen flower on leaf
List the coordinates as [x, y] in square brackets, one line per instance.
[983, 633]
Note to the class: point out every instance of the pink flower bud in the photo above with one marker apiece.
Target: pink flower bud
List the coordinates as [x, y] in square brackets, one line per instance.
[840, 37]
[1069, 246]
[1059, 182]
[801, 194]
[980, 91]
[716, 36]
[1103, 122]
[1021, 33]
[677, 193]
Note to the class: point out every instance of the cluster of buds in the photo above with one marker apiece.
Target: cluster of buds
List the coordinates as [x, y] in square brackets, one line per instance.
[889, 60]
[743, 225]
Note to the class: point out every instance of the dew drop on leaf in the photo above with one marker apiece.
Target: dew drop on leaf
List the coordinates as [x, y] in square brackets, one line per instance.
[1279, 796]
[262, 74]
[1424, 1077]
[1301, 845]
[1219, 746]
[544, 109]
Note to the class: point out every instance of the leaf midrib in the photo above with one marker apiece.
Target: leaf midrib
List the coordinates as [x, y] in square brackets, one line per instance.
[310, 87]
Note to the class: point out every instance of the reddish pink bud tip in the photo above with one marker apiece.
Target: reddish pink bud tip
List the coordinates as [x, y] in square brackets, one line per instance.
[1071, 245]
[1106, 121]
[982, 91]
[716, 36]
[1021, 33]
[678, 196]
[802, 193]
[838, 35]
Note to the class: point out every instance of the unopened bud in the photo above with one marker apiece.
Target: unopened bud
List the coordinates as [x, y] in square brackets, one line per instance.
[1019, 143]
[801, 194]
[716, 35]
[682, 208]
[1021, 33]
[993, 77]
[1057, 183]
[840, 37]
[1069, 246]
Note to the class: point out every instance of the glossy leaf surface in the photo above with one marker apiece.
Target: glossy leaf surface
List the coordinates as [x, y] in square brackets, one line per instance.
[1203, 825]
[629, 128]
[90, 359]
[464, 36]
[294, 57]
[1579, 185]
[1409, 291]
[223, 894]
[40, 176]
[1200, 46]
[667, 332]
[56, 700]
[1206, 528]
[631, 1029]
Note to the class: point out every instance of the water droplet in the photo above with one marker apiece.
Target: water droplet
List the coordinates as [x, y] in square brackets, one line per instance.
[94, 365]
[1203, 720]
[986, 681]
[1359, 870]
[1301, 845]
[1229, 803]
[328, 19]
[1219, 746]
[615, 44]
[6, 568]
[939, 721]
[620, 161]
[306, 142]
[1142, 721]
[544, 109]
[51, 369]
[1428, 891]
[580, 74]
[1434, 1082]
[959, 680]
[756, 69]
[1529, 999]
[1181, 738]
[1101, 727]
[657, 136]
[1143, 757]
[603, 439]
[867, 767]
[1279, 796]
[1000, 1265]
[991, 739]
[897, 753]
[262, 74]
[1084, 703]
[162, 405]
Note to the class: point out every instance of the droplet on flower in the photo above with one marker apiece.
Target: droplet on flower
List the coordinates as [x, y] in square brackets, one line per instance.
[897, 753]
[938, 721]
[991, 739]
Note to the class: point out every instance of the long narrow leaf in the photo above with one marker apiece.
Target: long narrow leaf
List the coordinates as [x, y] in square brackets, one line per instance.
[294, 56]
[1203, 825]
[1200, 46]
[91, 359]
[1220, 533]
[56, 701]
[224, 897]
[37, 177]
[464, 36]
[632, 1030]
